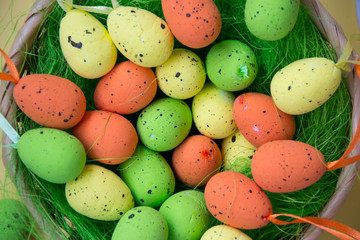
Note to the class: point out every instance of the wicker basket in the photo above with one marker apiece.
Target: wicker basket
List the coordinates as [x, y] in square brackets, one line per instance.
[322, 19]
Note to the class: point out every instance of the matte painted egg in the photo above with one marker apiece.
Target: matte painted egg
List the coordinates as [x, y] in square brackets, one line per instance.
[224, 232]
[183, 75]
[128, 88]
[107, 137]
[149, 177]
[99, 193]
[50, 101]
[260, 121]
[86, 44]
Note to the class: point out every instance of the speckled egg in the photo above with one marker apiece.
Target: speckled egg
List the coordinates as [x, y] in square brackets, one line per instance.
[186, 215]
[50, 101]
[237, 153]
[260, 121]
[52, 154]
[128, 88]
[183, 75]
[100, 194]
[195, 23]
[14, 220]
[141, 36]
[224, 232]
[107, 137]
[231, 65]
[195, 160]
[149, 177]
[141, 223]
[271, 20]
[236, 200]
[86, 44]
[164, 124]
[212, 110]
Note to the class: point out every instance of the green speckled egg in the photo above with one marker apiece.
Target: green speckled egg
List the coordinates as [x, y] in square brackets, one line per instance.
[14, 223]
[231, 65]
[186, 214]
[52, 154]
[141, 223]
[271, 20]
[182, 76]
[148, 176]
[212, 109]
[164, 124]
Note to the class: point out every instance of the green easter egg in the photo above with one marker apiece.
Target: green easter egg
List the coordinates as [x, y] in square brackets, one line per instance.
[149, 177]
[13, 220]
[52, 154]
[164, 124]
[143, 223]
[231, 65]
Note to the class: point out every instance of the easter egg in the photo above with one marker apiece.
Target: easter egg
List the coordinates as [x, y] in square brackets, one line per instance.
[271, 20]
[164, 124]
[141, 223]
[107, 137]
[128, 88]
[100, 194]
[293, 166]
[195, 160]
[231, 65]
[212, 110]
[304, 85]
[260, 121]
[86, 44]
[52, 154]
[141, 36]
[236, 200]
[196, 23]
[182, 76]
[224, 232]
[50, 101]
[149, 177]
[186, 215]
[14, 220]
[237, 153]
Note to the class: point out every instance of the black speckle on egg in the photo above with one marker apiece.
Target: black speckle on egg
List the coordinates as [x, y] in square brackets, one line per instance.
[131, 216]
[162, 26]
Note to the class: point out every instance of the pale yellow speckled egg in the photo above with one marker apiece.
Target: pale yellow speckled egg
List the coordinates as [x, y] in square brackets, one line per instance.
[224, 232]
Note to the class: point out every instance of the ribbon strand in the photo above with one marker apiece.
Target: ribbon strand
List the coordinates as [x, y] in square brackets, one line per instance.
[14, 74]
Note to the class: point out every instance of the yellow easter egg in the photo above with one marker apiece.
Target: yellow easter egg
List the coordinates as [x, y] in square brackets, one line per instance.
[86, 44]
[212, 111]
[141, 36]
[182, 76]
[224, 232]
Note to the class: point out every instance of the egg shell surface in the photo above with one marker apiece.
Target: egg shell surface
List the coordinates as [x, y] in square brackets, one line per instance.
[304, 85]
[141, 36]
[86, 44]
[231, 65]
[237, 201]
[212, 110]
[292, 166]
[107, 137]
[183, 75]
[164, 124]
[195, 160]
[149, 177]
[224, 232]
[271, 20]
[141, 223]
[128, 88]
[186, 215]
[260, 121]
[50, 101]
[195, 23]
[99, 193]
[14, 222]
[52, 154]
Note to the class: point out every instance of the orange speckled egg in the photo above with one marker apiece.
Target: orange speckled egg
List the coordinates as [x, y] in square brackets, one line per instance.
[128, 88]
[195, 160]
[50, 101]
[107, 137]
[287, 166]
[195, 23]
[237, 201]
[260, 121]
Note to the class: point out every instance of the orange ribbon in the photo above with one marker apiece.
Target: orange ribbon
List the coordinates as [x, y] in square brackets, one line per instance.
[14, 74]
